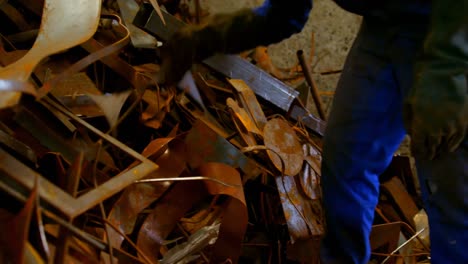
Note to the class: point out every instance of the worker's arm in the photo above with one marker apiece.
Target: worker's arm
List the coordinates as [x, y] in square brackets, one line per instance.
[272, 22]
[436, 110]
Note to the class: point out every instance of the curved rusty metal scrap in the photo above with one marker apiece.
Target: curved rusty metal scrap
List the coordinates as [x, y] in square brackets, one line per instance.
[281, 140]
[163, 219]
[160, 223]
[170, 155]
[234, 223]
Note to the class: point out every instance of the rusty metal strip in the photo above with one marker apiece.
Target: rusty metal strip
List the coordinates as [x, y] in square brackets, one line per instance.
[113, 186]
[104, 136]
[25, 176]
[113, 61]
[249, 102]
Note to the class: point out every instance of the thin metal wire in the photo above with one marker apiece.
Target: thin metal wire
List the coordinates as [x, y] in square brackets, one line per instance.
[192, 178]
[403, 245]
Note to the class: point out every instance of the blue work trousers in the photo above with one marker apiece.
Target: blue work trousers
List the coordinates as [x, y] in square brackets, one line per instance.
[364, 130]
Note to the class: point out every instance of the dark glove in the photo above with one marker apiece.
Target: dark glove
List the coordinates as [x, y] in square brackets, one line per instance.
[231, 33]
[436, 110]
[195, 43]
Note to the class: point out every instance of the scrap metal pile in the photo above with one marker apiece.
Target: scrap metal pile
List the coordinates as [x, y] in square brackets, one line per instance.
[100, 163]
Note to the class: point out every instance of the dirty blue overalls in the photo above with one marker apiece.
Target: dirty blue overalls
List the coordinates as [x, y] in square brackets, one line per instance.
[365, 128]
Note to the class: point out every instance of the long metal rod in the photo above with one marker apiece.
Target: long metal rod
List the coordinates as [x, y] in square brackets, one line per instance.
[193, 178]
[107, 137]
[310, 81]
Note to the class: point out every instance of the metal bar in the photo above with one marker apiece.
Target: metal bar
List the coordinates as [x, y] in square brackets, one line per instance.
[47, 191]
[261, 82]
[107, 137]
[112, 186]
[310, 81]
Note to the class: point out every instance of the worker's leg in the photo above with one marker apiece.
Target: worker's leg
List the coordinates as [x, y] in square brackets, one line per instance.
[364, 130]
[444, 183]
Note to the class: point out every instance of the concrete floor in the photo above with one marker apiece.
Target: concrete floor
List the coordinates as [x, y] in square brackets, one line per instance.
[334, 30]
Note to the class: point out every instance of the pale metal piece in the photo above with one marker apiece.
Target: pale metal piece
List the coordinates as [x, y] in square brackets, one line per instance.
[65, 23]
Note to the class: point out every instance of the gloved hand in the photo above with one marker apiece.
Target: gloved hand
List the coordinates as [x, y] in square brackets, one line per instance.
[436, 109]
[196, 42]
[436, 114]
[231, 33]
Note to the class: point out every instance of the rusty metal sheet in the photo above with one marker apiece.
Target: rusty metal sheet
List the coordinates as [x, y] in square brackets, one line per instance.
[204, 145]
[303, 216]
[234, 223]
[162, 220]
[170, 155]
[283, 146]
